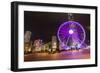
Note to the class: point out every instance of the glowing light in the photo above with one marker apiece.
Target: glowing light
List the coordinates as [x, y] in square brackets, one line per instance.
[71, 31]
[79, 46]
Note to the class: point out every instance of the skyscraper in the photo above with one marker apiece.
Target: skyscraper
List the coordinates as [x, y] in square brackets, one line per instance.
[27, 36]
[54, 43]
[27, 42]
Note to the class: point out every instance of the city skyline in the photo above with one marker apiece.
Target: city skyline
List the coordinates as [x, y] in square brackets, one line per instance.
[56, 35]
[43, 25]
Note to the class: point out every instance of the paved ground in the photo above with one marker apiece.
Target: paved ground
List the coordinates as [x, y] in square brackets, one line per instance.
[65, 55]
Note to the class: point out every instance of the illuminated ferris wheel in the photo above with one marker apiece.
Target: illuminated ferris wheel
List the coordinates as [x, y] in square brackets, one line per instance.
[71, 34]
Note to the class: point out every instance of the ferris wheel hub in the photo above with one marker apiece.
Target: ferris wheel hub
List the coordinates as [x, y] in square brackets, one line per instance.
[71, 31]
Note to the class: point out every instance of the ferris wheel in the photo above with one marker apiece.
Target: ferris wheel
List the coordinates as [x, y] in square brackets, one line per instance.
[71, 34]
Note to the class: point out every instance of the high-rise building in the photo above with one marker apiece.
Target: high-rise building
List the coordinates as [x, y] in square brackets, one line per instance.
[27, 42]
[54, 43]
[27, 36]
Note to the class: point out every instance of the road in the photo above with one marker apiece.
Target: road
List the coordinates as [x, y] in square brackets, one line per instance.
[65, 55]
